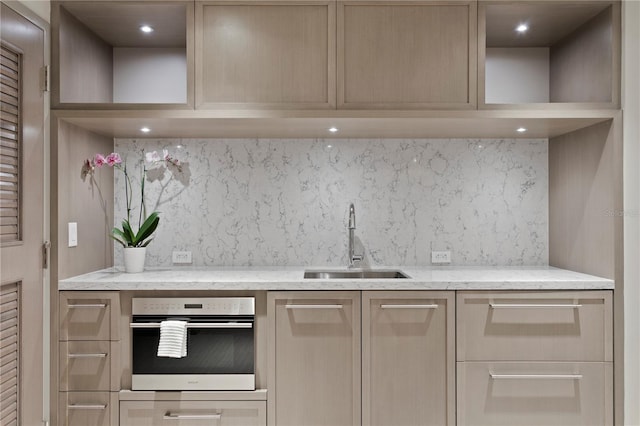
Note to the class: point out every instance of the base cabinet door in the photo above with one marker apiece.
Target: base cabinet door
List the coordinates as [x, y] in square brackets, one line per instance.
[314, 358]
[192, 413]
[408, 352]
[528, 394]
[87, 408]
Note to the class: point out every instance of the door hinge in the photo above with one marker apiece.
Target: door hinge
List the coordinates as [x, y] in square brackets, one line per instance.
[45, 254]
[44, 78]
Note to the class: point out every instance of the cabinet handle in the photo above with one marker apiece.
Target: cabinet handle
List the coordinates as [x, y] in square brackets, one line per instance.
[87, 305]
[172, 416]
[195, 325]
[531, 305]
[86, 406]
[97, 355]
[537, 376]
[313, 306]
[385, 306]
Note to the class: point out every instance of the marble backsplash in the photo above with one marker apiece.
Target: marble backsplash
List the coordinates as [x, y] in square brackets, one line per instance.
[250, 202]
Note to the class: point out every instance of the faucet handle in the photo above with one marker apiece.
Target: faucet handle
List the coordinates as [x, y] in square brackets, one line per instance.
[352, 217]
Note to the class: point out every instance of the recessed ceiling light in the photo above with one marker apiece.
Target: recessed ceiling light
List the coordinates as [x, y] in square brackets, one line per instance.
[522, 28]
[333, 129]
[521, 130]
[146, 29]
[145, 130]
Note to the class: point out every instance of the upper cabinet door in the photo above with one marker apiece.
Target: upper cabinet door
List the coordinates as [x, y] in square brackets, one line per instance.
[406, 55]
[271, 55]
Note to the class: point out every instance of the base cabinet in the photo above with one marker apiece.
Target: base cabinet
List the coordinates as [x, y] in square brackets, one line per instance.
[534, 358]
[408, 352]
[314, 358]
[395, 363]
[88, 408]
[193, 413]
[526, 394]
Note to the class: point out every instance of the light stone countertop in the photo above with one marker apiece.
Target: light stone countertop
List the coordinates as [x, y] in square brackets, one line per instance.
[291, 278]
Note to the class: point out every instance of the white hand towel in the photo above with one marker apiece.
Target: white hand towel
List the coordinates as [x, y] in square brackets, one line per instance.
[173, 339]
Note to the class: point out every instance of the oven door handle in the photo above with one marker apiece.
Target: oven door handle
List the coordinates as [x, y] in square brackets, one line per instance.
[196, 325]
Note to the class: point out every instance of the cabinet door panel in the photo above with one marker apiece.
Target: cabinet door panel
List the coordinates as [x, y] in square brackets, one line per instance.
[265, 55]
[526, 394]
[534, 326]
[86, 408]
[89, 366]
[314, 362]
[408, 358]
[192, 413]
[406, 54]
[88, 315]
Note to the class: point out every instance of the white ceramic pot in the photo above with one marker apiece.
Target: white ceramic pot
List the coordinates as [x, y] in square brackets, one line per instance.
[134, 259]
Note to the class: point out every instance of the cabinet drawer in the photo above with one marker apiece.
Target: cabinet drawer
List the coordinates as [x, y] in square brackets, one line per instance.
[193, 413]
[518, 393]
[89, 315]
[534, 326]
[86, 408]
[88, 366]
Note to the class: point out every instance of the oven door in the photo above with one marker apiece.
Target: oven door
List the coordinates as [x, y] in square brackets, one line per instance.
[220, 355]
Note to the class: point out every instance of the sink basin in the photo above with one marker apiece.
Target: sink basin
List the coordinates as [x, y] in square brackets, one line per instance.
[355, 274]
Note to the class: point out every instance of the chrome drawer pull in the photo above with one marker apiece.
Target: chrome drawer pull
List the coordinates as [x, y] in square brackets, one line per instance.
[408, 306]
[87, 305]
[313, 306]
[86, 406]
[171, 416]
[97, 355]
[537, 376]
[528, 305]
[195, 325]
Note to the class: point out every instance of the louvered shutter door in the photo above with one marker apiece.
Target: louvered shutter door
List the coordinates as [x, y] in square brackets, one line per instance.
[10, 138]
[9, 353]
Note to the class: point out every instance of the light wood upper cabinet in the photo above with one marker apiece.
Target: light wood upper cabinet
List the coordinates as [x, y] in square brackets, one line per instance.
[314, 358]
[406, 55]
[257, 54]
[408, 351]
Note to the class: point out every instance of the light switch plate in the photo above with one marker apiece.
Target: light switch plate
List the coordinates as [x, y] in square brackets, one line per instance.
[181, 257]
[441, 257]
[73, 234]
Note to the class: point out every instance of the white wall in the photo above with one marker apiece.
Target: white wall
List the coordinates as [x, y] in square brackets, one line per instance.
[149, 75]
[631, 132]
[517, 75]
[41, 7]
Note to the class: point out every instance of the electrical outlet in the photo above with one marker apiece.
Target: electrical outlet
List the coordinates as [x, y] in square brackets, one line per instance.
[440, 257]
[181, 257]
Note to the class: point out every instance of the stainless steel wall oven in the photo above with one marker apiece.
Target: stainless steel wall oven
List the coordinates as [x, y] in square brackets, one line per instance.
[220, 344]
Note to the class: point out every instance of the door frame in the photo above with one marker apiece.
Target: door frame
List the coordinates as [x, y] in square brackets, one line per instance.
[37, 20]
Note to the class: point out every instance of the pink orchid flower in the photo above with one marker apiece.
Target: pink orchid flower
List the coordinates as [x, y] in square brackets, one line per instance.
[113, 159]
[99, 160]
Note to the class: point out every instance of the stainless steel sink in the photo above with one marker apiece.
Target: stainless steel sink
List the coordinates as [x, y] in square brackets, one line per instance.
[355, 274]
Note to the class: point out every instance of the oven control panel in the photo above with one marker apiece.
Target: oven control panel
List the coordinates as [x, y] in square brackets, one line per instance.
[193, 306]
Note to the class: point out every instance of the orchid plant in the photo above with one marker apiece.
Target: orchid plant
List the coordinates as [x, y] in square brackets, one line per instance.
[147, 225]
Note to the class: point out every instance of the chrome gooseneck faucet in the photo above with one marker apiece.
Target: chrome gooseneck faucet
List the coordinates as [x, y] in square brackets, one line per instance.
[353, 258]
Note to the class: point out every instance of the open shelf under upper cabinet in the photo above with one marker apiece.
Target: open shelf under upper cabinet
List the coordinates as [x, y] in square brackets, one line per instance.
[568, 57]
[103, 59]
[349, 123]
